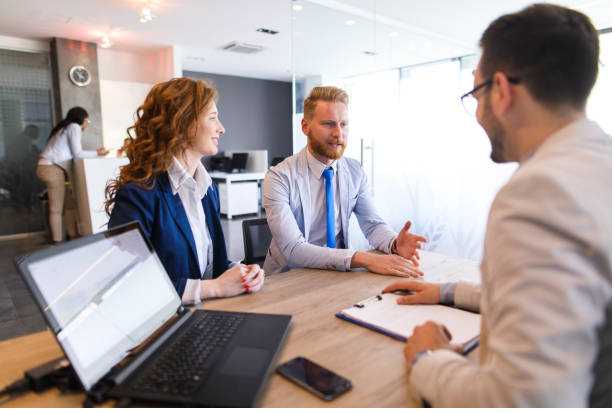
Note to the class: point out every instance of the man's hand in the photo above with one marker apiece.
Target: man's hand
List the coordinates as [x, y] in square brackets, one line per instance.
[428, 336]
[385, 264]
[407, 244]
[419, 292]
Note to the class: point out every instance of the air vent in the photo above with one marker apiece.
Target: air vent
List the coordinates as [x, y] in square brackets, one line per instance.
[370, 53]
[244, 48]
[267, 31]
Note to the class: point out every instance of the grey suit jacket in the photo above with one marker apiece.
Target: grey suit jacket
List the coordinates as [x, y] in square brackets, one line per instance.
[545, 296]
[286, 198]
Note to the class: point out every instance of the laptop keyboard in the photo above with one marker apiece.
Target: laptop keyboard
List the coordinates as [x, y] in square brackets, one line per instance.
[184, 365]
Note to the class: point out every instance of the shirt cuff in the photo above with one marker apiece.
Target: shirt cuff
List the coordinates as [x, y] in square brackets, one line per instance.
[348, 259]
[426, 371]
[447, 293]
[192, 292]
[390, 247]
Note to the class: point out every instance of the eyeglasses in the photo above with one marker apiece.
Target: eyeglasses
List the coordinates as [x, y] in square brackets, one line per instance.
[470, 99]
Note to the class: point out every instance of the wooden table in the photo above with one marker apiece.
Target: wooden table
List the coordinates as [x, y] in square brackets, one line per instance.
[372, 361]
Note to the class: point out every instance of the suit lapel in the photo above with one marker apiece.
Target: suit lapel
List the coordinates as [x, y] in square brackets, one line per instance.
[178, 213]
[303, 185]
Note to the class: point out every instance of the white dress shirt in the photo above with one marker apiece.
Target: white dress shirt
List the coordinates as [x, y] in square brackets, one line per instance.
[191, 191]
[64, 146]
[318, 224]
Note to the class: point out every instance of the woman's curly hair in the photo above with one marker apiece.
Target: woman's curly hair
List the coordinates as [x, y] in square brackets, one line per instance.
[165, 127]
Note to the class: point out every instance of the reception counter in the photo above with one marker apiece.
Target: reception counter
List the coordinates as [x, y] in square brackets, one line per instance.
[90, 178]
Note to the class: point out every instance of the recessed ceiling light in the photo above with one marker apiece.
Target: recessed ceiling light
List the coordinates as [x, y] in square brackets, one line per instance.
[146, 15]
[105, 42]
[297, 7]
[393, 34]
[350, 22]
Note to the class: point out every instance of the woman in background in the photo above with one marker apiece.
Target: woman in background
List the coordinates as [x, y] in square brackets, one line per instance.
[167, 189]
[54, 166]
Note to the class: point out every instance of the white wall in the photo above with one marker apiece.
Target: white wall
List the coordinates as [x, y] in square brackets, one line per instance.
[119, 102]
[125, 79]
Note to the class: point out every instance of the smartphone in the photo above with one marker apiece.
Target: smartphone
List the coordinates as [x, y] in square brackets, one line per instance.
[313, 377]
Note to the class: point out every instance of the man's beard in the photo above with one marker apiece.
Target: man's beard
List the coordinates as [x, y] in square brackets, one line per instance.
[324, 150]
[495, 132]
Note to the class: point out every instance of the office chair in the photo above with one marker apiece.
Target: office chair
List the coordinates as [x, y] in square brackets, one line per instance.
[256, 240]
[277, 160]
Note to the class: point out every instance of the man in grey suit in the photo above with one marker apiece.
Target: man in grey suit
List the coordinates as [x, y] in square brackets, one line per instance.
[545, 297]
[310, 196]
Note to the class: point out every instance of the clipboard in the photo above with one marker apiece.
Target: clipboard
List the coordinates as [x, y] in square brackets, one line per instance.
[382, 314]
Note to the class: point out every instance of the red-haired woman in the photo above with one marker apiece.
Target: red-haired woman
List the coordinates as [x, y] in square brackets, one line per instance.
[167, 189]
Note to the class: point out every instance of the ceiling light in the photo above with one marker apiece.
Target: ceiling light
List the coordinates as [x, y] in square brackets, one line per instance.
[393, 34]
[146, 15]
[297, 7]
[105, 42]
[350, 22]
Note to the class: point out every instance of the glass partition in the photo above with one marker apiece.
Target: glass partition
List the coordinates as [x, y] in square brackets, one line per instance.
[426, 159]
[25, 123]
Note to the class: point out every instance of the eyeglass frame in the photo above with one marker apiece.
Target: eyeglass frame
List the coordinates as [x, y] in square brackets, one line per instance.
[487, 83]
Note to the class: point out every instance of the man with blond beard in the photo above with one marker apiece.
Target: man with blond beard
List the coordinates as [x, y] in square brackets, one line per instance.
[310, 196]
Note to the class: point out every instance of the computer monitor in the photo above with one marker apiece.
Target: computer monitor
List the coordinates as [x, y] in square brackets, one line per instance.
[239, 161]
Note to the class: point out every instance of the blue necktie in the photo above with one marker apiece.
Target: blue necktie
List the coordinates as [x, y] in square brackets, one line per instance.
[328, 174]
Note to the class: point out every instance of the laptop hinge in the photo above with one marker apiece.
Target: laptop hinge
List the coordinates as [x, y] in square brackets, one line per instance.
[121, 371]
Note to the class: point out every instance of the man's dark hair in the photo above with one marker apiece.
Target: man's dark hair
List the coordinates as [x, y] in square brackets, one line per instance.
[553, 50]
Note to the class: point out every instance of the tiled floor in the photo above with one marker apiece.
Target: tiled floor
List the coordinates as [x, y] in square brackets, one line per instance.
[19, 314]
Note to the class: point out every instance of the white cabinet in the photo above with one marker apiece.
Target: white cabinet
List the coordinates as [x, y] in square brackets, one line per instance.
[238, 198]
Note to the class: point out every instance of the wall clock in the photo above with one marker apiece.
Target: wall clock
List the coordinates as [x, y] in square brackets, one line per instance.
[79, 75]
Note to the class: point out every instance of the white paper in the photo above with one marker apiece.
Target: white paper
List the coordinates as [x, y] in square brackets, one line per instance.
[401, 319]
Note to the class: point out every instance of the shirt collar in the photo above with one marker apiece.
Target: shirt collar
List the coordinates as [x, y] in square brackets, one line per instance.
[316, 167]
[178, 176]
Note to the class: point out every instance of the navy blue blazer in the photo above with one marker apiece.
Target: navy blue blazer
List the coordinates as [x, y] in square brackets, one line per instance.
[165, 223]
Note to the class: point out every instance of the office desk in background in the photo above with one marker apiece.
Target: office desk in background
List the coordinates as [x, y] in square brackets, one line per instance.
[239, 192]
[372, 361]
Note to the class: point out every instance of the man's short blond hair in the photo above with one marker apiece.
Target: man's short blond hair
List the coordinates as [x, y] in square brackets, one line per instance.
[325, 94]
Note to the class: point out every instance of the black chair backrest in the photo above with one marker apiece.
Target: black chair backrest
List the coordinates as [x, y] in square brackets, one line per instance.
[256, 240]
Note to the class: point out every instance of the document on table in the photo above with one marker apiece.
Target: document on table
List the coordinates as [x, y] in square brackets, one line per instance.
[382, 313]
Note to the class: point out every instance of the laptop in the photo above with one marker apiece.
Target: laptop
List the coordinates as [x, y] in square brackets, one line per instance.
[116, 315]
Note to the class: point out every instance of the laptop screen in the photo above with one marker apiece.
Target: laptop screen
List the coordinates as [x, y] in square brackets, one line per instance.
[102, 297]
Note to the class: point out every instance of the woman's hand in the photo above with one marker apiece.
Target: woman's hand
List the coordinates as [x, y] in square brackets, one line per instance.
[102, 151]
[255, 282]
[234, 281]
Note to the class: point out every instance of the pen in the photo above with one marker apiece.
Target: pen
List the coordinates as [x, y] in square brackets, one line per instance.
[402, 291]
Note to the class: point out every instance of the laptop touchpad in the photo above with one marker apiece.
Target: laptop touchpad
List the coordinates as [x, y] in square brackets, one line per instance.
[246, 361]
